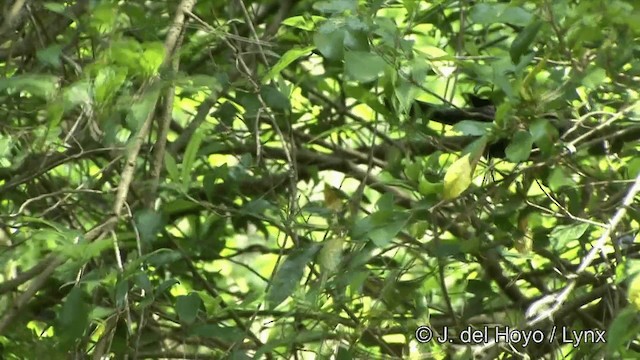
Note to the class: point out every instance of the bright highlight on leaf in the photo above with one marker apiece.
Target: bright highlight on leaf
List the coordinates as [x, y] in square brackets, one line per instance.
[458, 178]
[634, 292]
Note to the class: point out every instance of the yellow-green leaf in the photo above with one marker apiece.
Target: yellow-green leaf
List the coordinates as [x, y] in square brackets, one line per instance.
[190, 155]
[425, 187]
[458, 178]
[152, 57]
[634, 292]
[330, 255]
[289, 57]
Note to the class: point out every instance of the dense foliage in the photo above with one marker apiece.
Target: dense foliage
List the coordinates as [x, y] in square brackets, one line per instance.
[307, 179]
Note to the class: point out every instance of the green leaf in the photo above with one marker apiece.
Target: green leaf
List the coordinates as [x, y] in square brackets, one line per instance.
[187, 307]
[239, 355]
[42, 86]
[544, 135]
[412, 169]
[501, 75]
[6, 143]
[458, 178]
[300, 337]
[78, 93]
[363, 66]
[563, 234]
[306, 22]
[520, 147]
[200, 82]
[473, 128]
[103, 17]
[164, 286]
[594, 78]
[383, 235]
[627, 268]
[500, 13]
[411, 5]
[330, 255]
[446, 248]
[99, 313]
[336, 6]
[50, 55]
[122, 289]
[330, 44]
[503, 115]
[523, 41]
[365, 96]
[155, 258]
[141, 109]
[153, 55]
[163, 257]
[426, 187]
[55, 7]
[210, 178]
[476, 149]
[73, 318]
[126, 53]
[288, 276]
[559, 179]
[623, 328]
[58, 237]
[275, 99]
[84, 251]
[107, 83]
[486, 13]
[515, 15]
[380, 227]
[222, 333]
[149, 223]
[386, 202]
[141, 279]
[172, 167]
[405, 93]
[287, 59]
[190, 154]
[356, 40]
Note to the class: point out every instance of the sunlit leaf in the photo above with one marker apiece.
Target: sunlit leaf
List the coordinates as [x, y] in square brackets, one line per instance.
[152, 57]
[287, 59]
[458, 178]
[107, 82]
